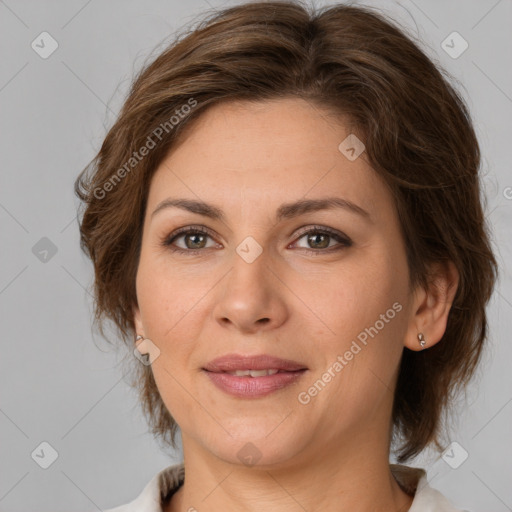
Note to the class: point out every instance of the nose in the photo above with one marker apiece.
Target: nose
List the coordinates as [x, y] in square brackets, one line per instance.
[251, 297]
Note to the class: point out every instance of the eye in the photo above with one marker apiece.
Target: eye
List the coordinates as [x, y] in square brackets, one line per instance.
[194, 239]
[319, 240]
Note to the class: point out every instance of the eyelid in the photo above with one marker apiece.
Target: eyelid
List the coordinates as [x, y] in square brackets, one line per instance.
[323, 229]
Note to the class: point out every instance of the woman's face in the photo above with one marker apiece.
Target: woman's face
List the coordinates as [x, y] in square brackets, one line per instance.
[333, 306]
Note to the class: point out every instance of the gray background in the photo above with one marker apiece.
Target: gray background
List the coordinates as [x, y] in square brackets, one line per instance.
[59, 382]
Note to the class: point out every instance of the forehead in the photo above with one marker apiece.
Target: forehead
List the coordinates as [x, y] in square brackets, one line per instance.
[268, 152]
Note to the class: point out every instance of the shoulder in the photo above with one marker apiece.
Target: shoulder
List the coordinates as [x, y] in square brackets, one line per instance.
[160, 487]
[426, 498]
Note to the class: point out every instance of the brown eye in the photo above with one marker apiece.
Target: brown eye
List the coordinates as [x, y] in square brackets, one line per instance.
[194, 240]
[190, 240]
[319, 240]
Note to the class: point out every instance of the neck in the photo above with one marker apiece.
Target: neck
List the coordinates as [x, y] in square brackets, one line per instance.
[354, 477]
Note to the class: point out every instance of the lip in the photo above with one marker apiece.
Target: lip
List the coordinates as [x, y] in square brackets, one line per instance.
[252, 387]
[232, 362]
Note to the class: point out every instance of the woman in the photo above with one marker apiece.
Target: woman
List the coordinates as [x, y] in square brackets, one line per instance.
[286, 228]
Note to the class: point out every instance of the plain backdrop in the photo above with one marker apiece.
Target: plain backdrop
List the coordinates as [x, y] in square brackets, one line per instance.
[59, 383]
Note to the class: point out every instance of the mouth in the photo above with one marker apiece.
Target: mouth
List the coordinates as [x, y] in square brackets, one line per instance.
[253, 376]
[254, 373]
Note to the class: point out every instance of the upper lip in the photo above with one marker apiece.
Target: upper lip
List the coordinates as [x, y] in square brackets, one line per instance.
[232, 362]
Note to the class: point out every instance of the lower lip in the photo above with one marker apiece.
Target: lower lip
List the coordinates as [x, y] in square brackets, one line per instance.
[253, 387]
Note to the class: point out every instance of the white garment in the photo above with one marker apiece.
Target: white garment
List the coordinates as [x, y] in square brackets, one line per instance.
[412, 480]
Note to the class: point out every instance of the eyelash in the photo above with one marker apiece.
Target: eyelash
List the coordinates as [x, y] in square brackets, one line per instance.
[343, 240]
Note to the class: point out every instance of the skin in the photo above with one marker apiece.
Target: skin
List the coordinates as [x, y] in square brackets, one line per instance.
[333, 452]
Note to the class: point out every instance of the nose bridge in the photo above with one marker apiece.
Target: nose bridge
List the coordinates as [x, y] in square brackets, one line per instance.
[250, 297]
[248, 276]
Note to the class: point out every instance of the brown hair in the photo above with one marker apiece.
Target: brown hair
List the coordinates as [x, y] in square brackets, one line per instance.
[355, 62]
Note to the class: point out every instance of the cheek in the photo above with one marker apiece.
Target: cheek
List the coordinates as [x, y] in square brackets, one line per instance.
[367, 313]
[174, 305]
[365, 306]
[358, 294]
[168, 298]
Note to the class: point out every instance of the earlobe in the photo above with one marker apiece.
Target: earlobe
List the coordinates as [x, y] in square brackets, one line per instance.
[431, 308]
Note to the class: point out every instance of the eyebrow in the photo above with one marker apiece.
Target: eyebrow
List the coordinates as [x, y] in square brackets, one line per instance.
[285, 211]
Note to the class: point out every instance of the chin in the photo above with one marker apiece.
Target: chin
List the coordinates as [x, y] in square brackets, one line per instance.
[264, 445]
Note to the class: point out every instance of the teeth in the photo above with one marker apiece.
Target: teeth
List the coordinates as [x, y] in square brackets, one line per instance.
[253, 373]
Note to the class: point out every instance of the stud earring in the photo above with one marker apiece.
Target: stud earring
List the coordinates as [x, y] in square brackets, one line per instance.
[421, 339]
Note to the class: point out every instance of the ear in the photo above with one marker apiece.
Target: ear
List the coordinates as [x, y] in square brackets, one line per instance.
[431, 306]
[137, 321]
